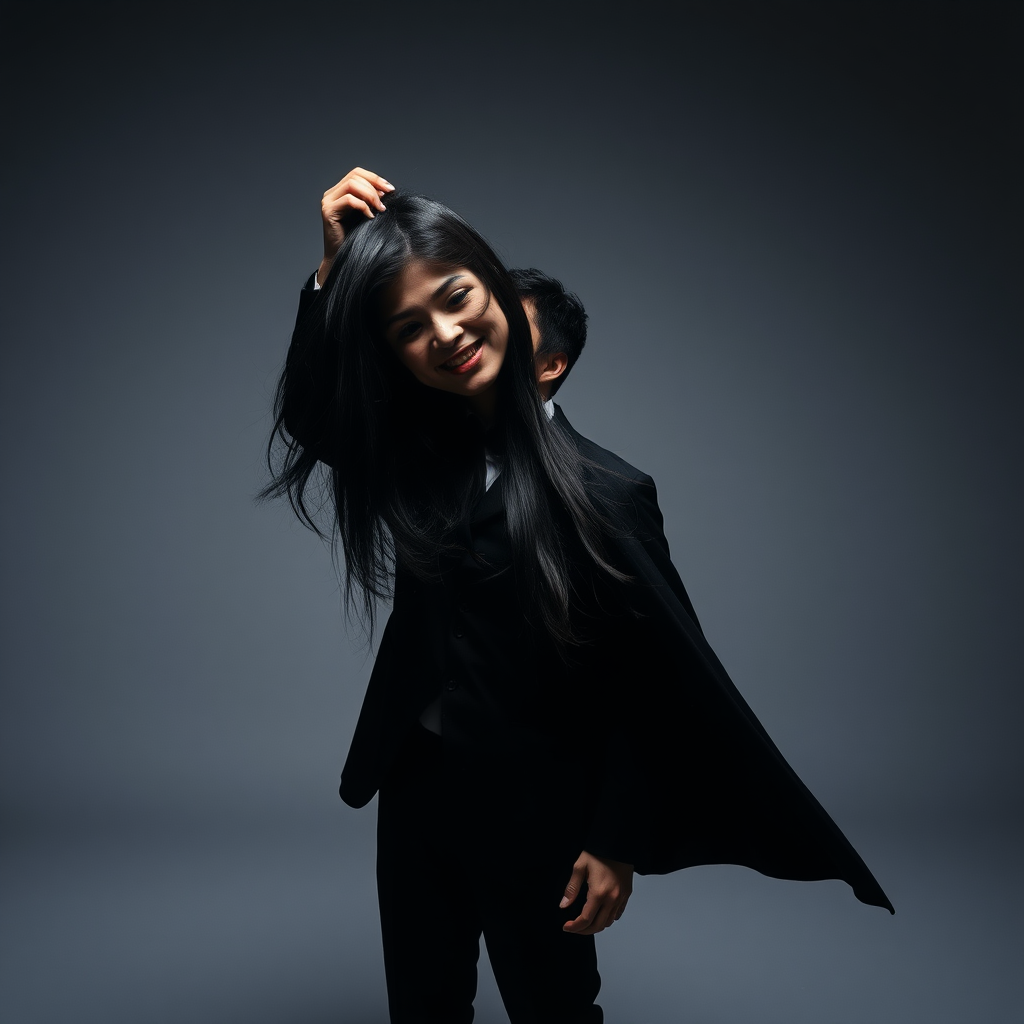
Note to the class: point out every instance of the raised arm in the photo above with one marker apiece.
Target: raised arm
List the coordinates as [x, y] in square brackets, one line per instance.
[357, 195]
[306, 394]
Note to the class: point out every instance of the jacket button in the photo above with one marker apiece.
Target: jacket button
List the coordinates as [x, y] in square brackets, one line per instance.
[450, 685]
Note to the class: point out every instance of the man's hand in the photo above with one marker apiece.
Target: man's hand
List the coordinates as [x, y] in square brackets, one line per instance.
[609, 885]
[357, 194]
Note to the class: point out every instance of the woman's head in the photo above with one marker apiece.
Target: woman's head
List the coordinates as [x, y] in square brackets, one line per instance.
[418, 293]
[418, 320]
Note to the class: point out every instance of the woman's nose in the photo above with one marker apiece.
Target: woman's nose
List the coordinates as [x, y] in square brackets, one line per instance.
[447, 332]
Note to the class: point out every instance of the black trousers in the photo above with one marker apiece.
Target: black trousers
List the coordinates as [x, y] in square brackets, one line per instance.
[466, 848]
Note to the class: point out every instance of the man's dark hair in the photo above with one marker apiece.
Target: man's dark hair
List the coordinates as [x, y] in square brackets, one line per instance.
[561, 318]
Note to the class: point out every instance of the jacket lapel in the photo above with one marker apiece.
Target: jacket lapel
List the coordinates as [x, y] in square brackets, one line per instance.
[490, 503]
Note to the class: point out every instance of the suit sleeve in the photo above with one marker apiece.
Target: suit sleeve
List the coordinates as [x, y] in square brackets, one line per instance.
[648, 530]
[620, 828]
[306, 397]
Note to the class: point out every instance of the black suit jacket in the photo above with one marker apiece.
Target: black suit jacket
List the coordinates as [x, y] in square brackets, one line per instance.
[682, 772]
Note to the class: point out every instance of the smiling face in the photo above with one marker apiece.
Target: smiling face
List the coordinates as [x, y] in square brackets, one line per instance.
[446, 328]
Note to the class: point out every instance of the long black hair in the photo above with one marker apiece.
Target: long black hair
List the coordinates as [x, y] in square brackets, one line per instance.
[401, 454]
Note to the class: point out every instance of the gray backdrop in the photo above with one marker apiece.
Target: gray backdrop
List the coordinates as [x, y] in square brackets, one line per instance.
[797, 230]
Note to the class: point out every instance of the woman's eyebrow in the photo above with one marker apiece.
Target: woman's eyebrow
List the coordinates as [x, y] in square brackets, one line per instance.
[435, 294]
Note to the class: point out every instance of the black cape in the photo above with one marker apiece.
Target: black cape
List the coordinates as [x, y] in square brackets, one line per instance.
[713, 786]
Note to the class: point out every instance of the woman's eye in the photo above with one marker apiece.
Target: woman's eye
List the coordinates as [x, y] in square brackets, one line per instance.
[456, 299]
[406, 331]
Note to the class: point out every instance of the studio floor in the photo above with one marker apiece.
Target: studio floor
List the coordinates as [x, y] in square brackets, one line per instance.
[220, 922]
